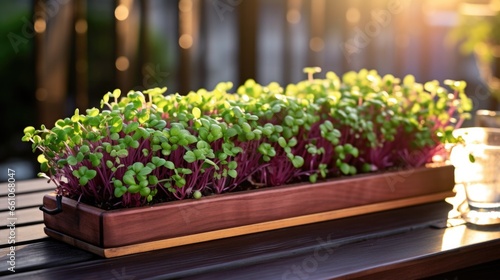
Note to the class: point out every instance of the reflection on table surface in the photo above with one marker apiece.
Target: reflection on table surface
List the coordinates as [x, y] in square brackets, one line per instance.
[459, 232]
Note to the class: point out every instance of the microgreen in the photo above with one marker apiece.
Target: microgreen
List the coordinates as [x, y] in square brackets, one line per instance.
[146, 147]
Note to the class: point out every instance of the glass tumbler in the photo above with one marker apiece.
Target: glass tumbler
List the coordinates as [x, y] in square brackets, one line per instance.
[477, 167]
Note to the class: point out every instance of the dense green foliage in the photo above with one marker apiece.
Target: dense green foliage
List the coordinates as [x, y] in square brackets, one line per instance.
[148, 147]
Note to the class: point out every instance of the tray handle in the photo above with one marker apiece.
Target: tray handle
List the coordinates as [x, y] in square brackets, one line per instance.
[55, 211]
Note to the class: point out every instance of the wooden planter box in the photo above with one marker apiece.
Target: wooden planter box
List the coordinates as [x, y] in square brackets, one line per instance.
[127, 231]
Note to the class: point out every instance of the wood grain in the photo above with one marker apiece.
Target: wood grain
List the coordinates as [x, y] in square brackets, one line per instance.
[28, 186]
[24, 216]
[77, 219]
[399, 242]
[44, 254]
[422, 257]
[243, 230]
[27, 234]
[28, 200]
[119, 228]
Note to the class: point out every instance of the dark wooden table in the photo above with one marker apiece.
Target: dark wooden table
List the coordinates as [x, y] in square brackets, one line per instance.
[405, 243]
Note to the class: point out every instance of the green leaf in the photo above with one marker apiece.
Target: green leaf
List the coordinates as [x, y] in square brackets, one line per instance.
[263, 148]
[339, 149]
[250, 135]
[298, 161]
[344, 168]
[29, 130]
[186, 171]
[246, 127]
[153, 180]
[145, 171]
[41, 158]
[137, 167]
[197, 194]
[212, 163]
[276, 108]
[282, 142]
[95, 159]
[352, 170]
[267, 131]
[83, 181]
[366, 167]
[328, 125]
[312, 150]
[114, 136]
[289, 120]
[134, 188]
[190, 139]
[232, 173]
[196, 112]
[348, 148]
[222, 156]
[313, 178]
[119, 192]
[189, 156]
[232, 165]
[44, 166]
[143, 116]
[90, 174]
[79, 157]
[355, 152]
[133, 126]
[128, 179]
[84, 149]
[105, 98]
[145, 191]
[170, 165]
[287, 132]
[175, 131]
[142, 179]
[122, 153]
[76, 116]
[62, 162]
[116, 93]
[117, 183]
[181, 182]
[82, 170]
[72, 160]
[472, 158]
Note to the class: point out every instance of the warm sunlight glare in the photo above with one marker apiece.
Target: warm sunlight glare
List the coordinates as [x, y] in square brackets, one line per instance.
[353, 15]
[122, 63]
[81, 26]
[186, 41]
[293, 16]
[40, 25]
[121, 12]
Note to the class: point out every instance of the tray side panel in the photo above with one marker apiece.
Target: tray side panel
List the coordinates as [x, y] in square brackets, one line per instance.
[77, 220]
[246, 229]
[174, 219]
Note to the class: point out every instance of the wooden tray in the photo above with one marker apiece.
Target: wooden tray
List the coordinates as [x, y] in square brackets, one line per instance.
[127, 231]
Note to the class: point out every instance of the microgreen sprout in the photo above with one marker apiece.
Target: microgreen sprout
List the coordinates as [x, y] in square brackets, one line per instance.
[146, 147]
[310, 71]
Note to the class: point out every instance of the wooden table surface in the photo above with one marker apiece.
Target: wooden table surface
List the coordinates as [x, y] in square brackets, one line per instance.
[405, 243]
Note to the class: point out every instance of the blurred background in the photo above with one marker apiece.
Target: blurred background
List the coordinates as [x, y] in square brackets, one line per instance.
[58, 55]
